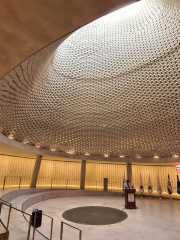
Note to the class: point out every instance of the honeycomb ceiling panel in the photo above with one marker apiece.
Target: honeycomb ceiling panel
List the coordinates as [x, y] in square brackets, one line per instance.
[112, 88]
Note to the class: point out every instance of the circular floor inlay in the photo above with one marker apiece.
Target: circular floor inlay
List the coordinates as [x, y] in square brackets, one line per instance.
[94, 215]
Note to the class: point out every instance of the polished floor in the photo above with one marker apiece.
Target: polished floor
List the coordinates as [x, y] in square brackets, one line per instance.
[154, 219]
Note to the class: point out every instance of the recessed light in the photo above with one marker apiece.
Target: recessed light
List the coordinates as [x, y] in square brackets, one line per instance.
[70, 152]
[11, 137]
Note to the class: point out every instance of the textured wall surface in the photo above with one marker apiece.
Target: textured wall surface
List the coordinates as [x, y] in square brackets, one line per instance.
[66, 175]
[60, 174]
[96, 172]
[15, 167]
[111, 88]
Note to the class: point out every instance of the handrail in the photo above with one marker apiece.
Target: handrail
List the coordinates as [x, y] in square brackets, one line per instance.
[3, 202]
[51, 223]
[71, 226]
[6, 203]
[7, 225]
[20, 181]
[36, 211]
[61, 231]
[46, 215]
[51, 231]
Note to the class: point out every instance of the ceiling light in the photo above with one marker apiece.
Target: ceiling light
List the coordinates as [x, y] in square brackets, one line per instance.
[122, 156]
[70, 152]
[11, 137]
[106, 155]
[175, 156]
[53, 149]
[156, 156]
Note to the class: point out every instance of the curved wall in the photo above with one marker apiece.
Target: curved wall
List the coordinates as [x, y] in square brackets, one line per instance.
[110, 89]
[29, 26]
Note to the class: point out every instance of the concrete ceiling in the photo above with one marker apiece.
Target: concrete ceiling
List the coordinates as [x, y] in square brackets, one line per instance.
[28, 26]
[28, 112]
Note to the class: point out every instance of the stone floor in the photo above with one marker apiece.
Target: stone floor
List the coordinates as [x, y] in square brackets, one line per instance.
[154, 219]
[18, 226]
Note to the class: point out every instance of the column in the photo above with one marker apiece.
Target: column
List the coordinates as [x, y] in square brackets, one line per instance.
[83, 174]
[129, 171]
[36, 171]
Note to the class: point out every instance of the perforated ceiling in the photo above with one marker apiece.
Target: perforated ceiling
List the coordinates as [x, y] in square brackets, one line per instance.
[112, 88]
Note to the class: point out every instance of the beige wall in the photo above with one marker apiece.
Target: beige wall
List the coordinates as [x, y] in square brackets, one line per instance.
[66, 174]
[15, 167]
[96, 172]
[163, 172]
[59, 174]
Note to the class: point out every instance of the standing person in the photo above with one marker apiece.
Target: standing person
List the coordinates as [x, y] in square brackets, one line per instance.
[127, 185]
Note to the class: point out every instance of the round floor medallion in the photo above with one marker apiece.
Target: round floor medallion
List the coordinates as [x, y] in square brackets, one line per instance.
[94, 215]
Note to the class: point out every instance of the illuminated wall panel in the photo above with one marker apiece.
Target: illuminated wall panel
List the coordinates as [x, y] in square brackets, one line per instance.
[17, 170]
[59, 174]
[96, 172]
[163, 172]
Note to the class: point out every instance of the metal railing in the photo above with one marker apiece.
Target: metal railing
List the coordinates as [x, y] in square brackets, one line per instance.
[94, 185]
[61, 231]
[6, 225]
[51, 230]
[63, 183]
[99, 186]
[14, 182]
[18, 182]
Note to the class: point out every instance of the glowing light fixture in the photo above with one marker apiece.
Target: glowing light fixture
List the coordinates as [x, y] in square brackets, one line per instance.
[87, 154]
[11, 137]
[70, 152]
[53, 149]
[122, 156]
[106, 155]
